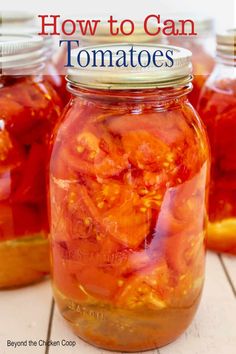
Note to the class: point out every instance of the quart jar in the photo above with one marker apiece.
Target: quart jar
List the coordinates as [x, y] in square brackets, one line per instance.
[202, 47]
[217, 107]
[29, 108]
[128, 189]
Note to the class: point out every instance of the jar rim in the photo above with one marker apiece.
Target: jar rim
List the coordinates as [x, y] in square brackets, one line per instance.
[129, 77]
[10, 30]
[103, 35]
[226, 44]
[204, 24]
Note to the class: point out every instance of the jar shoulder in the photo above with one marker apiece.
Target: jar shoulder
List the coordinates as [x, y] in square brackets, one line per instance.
[154, 117]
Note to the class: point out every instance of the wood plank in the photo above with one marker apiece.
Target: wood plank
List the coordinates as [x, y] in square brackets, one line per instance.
[212, 331]
[24, 316]
[214, 328]
[229, 263]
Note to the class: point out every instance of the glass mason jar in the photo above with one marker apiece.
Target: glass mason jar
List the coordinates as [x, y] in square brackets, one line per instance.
[217, 107]
[202, 47]
[29, 108]
[128, 175]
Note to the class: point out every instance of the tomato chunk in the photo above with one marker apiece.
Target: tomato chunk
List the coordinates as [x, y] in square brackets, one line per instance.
[146, 151]
[149, 289]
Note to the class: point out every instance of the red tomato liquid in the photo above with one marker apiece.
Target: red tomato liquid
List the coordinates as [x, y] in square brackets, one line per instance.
[29, 109]
[56, 79]
[128, 194]
[203, 64]
[217, 108]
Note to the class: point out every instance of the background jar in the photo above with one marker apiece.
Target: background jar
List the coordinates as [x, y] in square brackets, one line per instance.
[128, 176]
[50, 72]
[217, 107]
[202, 47]
[29, 109]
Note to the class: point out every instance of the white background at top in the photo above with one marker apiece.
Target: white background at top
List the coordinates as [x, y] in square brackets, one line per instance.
[224, 11]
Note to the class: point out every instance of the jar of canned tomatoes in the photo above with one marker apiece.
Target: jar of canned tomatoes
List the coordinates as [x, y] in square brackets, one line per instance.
[202, 46]
[217, 106]
[29, 109]
[128, 178]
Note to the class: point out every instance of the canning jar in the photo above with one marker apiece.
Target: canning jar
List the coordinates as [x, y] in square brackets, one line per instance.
[202, 47]
[29, 108]
[217, 107]
[128, 177]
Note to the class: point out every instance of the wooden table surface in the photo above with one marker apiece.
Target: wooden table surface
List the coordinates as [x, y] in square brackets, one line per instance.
[30, 314]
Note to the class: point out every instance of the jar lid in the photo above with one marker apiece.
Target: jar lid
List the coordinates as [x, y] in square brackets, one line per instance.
[20, 53]
[226, 43]
[31, 30]
[103, 35]
[203, 25]
[157, 75]
[15, 17]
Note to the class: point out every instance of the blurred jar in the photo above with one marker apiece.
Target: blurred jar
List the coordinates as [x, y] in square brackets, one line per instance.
[128, 177]
[217, 107]
[50, 72]
[202, 47]
[29, 109]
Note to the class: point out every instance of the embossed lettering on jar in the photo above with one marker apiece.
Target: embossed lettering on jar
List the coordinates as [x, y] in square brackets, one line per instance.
[128, 178]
